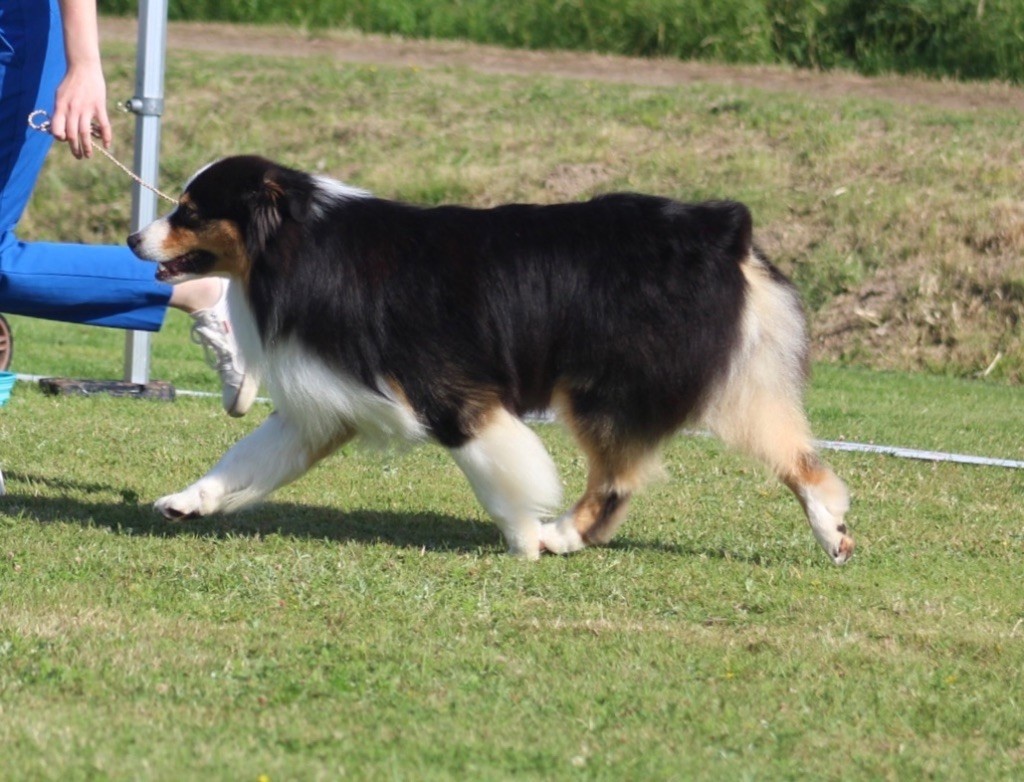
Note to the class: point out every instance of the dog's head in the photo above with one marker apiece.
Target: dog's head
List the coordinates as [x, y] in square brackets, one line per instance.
[228, 214]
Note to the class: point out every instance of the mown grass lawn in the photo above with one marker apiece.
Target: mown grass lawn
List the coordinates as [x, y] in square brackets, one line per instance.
[366, 622]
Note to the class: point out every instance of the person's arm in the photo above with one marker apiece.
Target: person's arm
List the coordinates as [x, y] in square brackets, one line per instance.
[82, 94]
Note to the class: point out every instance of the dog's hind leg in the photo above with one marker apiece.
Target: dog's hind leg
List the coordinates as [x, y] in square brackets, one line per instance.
[274, 454]
[513, 477]
[775, 432]
[615, 473]
[758, 409]
[620, 461]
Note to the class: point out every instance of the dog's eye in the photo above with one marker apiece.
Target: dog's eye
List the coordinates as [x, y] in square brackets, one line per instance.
[187, 216]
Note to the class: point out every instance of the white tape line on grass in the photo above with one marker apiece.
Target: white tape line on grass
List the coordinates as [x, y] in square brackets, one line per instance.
[830, 445]
[212, 395]
[913, 453]
[903, 453]
[887, 450]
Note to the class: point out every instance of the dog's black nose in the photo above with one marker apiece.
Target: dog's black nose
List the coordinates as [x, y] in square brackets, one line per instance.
[133, 241]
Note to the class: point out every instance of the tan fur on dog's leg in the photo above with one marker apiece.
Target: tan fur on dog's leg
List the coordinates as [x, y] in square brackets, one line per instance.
[758, 407]
[615, 473]
[593, 521]
[776, 432]
[825, 500]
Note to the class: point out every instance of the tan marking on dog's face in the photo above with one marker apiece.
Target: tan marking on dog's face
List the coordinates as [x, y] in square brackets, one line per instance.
[223, 239]
[189, 232]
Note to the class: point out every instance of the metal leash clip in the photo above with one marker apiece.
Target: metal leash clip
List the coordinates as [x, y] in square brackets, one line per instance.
[43, 125]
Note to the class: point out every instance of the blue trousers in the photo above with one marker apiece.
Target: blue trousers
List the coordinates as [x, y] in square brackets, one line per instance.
[100, 285]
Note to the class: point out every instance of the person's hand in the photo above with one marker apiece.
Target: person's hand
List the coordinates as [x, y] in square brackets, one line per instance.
[82, 101]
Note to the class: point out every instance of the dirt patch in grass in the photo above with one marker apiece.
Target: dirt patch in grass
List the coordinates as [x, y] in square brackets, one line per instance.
[570, 181]
[963, 314]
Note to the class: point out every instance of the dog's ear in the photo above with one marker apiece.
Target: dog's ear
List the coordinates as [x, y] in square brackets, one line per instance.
[294, 193]
[282, 195]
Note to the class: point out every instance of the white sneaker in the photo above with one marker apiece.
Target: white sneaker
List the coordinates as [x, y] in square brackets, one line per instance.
[212, 330]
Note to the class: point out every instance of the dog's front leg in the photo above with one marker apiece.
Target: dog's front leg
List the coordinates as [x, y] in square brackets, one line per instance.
[513, 477]
[273, 455]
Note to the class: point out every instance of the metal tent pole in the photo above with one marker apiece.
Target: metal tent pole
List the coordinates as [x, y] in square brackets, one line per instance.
[147, 105]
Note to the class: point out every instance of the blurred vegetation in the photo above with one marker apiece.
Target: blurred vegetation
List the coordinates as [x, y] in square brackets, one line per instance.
[967, 39]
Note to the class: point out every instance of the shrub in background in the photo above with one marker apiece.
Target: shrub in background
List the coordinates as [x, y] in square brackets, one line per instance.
[960, 38]
[976, 39]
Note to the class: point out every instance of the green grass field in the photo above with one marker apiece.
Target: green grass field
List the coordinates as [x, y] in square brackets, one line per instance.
[365, 624]
[366, 621]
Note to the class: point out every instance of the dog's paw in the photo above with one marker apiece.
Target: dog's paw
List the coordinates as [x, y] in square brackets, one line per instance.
[530, 554]
[842, 551]
[560, 536]
[833, 538]
[826, 504]
[188, 504]
[523, 541]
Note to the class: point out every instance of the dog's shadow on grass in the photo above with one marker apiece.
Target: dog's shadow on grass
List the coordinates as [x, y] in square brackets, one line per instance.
[424, 530]
[132, 516]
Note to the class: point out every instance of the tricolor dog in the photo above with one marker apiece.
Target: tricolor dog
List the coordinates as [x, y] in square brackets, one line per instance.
[629, 315]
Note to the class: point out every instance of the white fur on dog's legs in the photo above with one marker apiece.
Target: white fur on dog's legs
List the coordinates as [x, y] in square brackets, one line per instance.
[271, 456]
[513, 477]
[561, 536]
[826, 504]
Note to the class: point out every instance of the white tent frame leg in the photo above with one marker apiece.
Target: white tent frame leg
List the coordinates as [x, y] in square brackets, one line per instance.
[148, 106]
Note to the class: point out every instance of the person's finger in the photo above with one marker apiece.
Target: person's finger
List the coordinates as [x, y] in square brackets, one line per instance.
[58, 123]
[84, 135]
[71, 134]
[65, 126]
[106, 133]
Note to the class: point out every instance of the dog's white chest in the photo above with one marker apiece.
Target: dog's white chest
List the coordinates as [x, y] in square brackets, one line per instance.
[321, 399]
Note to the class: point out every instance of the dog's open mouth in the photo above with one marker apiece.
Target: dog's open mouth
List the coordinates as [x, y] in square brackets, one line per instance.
[191, 263]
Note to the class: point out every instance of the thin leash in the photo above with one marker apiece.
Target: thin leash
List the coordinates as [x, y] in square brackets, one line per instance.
[40, 120]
